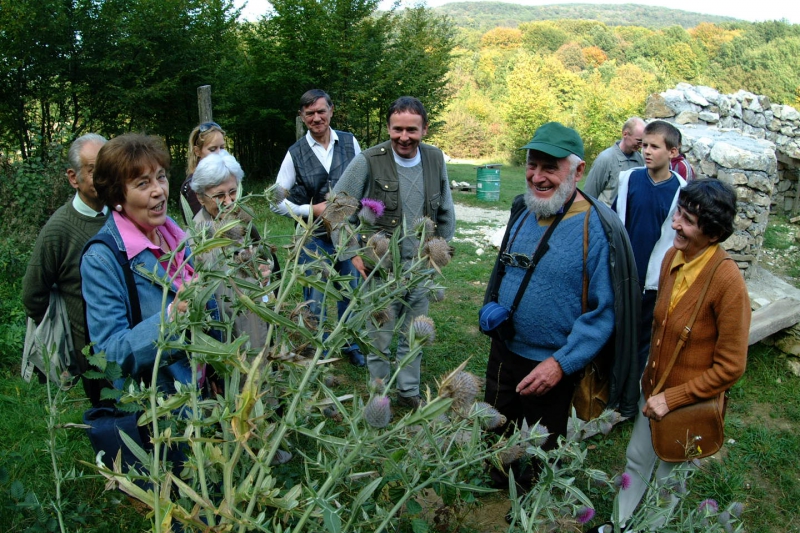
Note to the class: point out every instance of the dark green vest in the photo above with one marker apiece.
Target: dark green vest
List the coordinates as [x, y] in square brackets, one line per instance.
[384, 184]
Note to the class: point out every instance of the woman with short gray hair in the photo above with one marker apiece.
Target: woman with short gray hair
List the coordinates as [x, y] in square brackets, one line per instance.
[217, 181]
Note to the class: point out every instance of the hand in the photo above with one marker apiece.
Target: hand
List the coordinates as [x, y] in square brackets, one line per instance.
[542, 379]
[178, 305]
[656, 407]
[358, 263]
[317, 209]
[265, 271]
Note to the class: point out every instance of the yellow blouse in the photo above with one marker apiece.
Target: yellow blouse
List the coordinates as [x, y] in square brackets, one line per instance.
[688, 273]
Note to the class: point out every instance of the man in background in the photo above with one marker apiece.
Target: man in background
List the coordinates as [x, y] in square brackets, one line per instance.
[603, 179]
[311, 168]
[56, 255]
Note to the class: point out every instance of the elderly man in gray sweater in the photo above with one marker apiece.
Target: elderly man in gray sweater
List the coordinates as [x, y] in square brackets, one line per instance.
[410, 178]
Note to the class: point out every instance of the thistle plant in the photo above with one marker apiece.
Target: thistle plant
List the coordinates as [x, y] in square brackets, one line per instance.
[360, 464]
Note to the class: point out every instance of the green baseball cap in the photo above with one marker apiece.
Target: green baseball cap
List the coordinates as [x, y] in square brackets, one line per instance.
[556, 140]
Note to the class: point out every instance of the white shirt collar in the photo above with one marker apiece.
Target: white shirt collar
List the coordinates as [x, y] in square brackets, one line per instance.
[81, 207]
[408, 163]
[313, 142]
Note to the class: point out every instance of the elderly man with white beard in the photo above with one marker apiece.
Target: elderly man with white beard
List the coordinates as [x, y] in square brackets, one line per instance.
[562, 290]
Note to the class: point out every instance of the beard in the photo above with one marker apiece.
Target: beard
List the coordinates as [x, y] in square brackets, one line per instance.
[547, 208]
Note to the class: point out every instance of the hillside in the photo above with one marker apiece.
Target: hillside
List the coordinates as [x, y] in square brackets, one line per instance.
[483, 16]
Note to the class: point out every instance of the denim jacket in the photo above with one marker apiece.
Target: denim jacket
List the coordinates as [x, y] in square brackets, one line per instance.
[108, 313]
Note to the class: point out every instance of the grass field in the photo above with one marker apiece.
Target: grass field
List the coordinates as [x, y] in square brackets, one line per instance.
[758, 466]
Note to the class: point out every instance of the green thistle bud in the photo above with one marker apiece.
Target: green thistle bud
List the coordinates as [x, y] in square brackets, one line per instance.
[377, 412]
[424, 329]
[490, 417]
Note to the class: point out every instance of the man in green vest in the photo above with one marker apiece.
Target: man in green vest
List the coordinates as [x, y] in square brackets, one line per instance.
[57, 253]
[410, 178]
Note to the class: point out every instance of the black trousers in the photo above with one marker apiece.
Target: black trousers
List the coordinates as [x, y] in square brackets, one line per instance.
[503, 373]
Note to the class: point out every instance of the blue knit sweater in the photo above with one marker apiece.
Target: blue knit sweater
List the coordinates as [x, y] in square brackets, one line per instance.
[548, 321]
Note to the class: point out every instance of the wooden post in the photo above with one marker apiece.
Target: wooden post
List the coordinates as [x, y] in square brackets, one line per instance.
[204, 104]
[299, 129]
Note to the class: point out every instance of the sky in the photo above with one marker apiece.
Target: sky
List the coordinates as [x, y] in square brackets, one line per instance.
[742, 9]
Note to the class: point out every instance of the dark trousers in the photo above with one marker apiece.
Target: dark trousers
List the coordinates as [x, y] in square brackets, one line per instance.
[645, 328]
[503, 373]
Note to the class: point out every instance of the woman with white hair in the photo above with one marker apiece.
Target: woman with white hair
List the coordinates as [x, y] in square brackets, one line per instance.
[216, 182]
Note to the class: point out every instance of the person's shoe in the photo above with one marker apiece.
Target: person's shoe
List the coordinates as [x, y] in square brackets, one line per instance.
[414, 402]
[357, 358]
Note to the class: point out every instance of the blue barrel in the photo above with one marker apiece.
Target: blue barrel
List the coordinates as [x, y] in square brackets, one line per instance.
[488, 188]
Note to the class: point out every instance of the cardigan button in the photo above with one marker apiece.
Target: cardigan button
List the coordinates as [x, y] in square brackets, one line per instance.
[385, 186]
[658, 342]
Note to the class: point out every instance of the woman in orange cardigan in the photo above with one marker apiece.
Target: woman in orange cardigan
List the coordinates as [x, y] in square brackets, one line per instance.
[715, 355]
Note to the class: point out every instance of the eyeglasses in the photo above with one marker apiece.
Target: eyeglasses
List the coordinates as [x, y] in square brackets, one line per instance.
[515, 259]
[205, 126]
[220, 197]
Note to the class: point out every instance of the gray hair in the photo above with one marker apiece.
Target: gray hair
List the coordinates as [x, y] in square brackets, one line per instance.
[74, 154]
[213, 169]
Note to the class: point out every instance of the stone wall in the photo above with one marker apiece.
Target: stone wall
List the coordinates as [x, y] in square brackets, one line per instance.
[746, 113]
[744, 140]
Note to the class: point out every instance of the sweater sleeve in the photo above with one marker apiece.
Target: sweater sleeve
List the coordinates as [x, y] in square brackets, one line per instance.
[597, 179]
[730, 307]
[41, 274]
[354, 178]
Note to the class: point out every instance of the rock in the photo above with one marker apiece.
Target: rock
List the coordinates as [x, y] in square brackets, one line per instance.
[657, 107]
[686, 117]
[707, 116]
[730, 156]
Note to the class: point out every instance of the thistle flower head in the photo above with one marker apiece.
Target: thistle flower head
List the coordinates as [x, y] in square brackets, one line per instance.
[462, 387]
[423, 227]
[339, 208]
[377, 412]
[736, 509]
[280, 194]
[382, 316]
[708, 506]
[538, 435]
[437, 251]
[436, 295]
[724, 517]
[509, 455]
[424, 329]
[623, 481]
[584, 514]
[379, 244]
[377, 386]
[371, 210]
[489, 417]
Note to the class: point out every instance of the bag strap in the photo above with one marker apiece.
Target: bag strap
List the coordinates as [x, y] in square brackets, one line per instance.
[93, 388]
[124, 263]
[585, 294]
[687, 329]
[541, 249]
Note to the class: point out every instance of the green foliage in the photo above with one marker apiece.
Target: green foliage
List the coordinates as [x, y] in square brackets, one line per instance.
[483, 16]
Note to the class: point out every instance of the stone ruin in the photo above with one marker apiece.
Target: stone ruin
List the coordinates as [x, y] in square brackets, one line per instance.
[744, 140]
[754, 145]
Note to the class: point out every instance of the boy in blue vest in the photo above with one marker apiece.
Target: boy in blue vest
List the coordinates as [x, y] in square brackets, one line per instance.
[645, 203]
